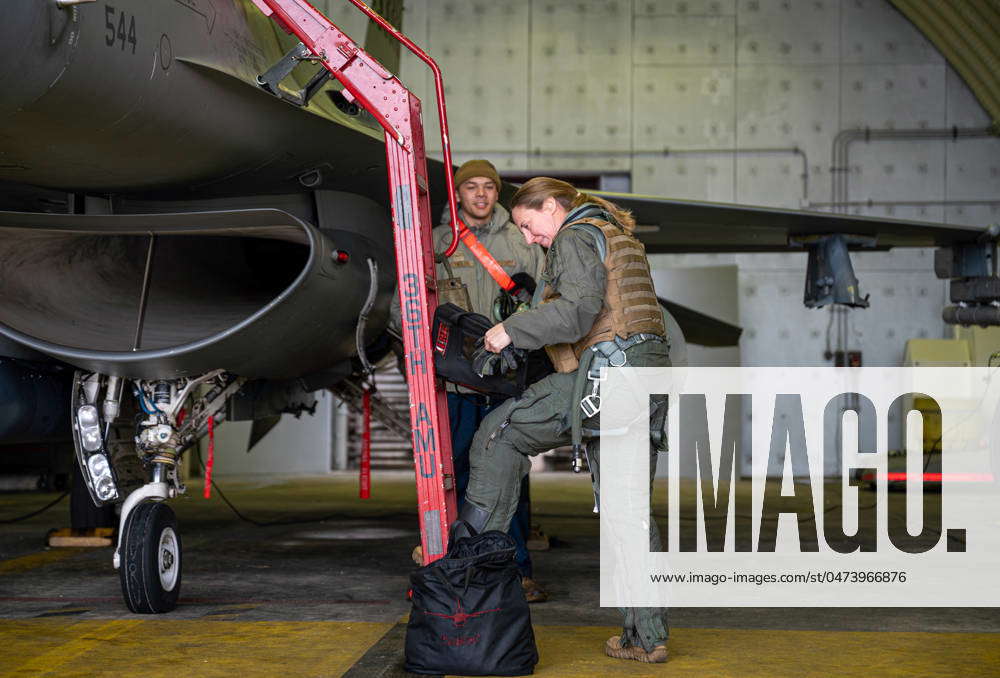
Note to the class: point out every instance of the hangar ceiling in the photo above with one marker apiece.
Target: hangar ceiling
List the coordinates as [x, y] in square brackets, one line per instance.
[967, 32]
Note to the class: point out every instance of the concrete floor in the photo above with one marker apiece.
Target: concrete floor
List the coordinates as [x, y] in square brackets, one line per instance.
[327, 599]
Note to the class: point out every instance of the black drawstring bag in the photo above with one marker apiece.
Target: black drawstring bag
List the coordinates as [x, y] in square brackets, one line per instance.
[469, 614]
[456, 332]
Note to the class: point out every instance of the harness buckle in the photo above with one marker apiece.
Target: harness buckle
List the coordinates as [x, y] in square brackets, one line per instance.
[591, 404]
[594, 373]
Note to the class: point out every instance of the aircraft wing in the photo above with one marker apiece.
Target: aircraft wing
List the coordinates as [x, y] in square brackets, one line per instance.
[675, 226]
[700, 328]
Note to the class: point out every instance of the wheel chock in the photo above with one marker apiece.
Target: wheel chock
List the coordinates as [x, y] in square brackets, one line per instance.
[68, 537]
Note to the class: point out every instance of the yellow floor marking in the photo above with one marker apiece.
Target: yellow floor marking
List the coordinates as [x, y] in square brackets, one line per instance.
[723, 653]
[161, 647]
[64, 657]
[33, 560]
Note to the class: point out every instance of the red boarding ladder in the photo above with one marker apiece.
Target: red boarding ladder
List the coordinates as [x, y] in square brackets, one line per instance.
[398, 111]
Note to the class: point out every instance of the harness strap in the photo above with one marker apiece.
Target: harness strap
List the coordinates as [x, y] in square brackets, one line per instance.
[601, 354]
[485, 258]
[576, 435]
[600, 242]
[611, 353]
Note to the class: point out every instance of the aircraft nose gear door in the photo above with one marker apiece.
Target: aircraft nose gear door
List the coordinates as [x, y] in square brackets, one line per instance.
[381, 93]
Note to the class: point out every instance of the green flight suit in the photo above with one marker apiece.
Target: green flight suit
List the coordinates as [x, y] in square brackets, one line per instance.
[540, 419]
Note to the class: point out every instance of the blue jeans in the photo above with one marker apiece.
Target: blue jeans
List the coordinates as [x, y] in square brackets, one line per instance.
[466, 411]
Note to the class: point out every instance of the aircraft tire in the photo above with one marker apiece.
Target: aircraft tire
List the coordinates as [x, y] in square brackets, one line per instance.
[150, 570]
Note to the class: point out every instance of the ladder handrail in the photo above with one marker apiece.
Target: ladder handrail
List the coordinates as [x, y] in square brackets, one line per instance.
[348, 51]
[442, 113]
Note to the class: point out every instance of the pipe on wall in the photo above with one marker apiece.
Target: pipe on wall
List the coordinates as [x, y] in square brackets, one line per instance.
[840, 168]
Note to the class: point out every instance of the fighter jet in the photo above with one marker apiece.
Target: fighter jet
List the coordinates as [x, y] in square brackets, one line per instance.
[196, 231]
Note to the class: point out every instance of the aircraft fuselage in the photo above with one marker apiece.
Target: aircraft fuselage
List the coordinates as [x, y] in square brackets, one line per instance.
[160, 98]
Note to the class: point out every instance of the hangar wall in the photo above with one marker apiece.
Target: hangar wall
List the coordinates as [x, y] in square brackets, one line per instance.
[302, 445]
[731, 101]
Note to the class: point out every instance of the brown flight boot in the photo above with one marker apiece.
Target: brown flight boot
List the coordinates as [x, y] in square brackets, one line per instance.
[613, 648]
[533, 591]
[538, 540]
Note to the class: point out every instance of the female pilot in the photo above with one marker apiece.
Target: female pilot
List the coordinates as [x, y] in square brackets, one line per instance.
[594, 306]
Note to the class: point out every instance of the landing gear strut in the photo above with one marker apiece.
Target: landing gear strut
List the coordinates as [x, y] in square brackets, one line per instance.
[173, 418]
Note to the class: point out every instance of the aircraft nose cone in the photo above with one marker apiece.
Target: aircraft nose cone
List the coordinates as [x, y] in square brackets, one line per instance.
[35, 39]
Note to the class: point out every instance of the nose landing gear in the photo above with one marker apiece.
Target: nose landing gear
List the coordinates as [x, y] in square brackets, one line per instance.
[174, 416]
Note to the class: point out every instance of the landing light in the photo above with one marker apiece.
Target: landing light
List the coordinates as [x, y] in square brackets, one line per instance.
[105, 488]
[100, 475]
[98, 465]
[90, 428]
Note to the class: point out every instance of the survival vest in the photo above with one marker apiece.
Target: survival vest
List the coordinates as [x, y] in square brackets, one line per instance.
[630, 303]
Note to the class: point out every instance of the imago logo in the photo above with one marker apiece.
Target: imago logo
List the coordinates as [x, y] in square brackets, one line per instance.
[774, 478]
[788, 447]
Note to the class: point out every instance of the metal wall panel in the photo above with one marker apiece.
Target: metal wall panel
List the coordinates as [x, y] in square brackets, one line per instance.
[311, 436]
[685, 7]
[973, 169]
[778, 176]
[885, 170]
[904, 305]
[684, 40]
[787, 107]
[967, 33]
[787, 31]
[677, 107]
[896, 96]
[589, 162]
[914, 260]
[874, 32]
[779, 330]
[506, 161]
[782, 105]
[479, 47]
[691, 177]
[580, 75]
